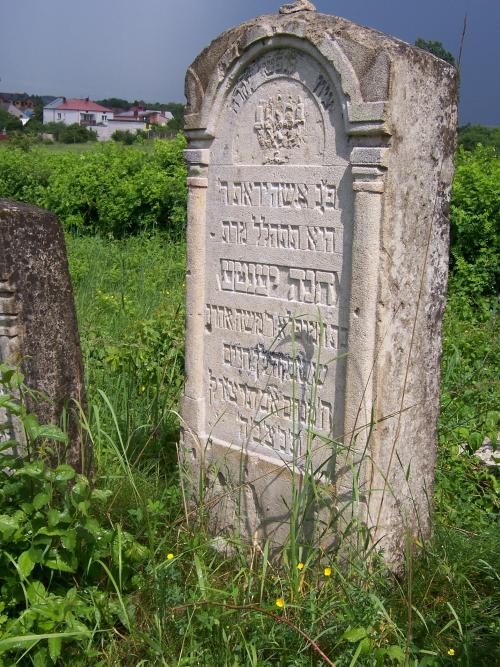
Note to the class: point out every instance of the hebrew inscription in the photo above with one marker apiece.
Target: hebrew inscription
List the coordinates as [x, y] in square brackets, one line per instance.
[278, 243]
[266, 234]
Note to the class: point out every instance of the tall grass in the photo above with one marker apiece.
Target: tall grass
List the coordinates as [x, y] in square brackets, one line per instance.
[301, 607]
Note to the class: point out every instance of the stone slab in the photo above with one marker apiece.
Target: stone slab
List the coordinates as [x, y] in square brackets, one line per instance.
[320, 157]
[38, 327]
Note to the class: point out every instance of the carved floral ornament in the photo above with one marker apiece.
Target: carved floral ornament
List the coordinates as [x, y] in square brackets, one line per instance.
[279, 125]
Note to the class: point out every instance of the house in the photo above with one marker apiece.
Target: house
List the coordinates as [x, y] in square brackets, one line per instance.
[134, 120]
[70, 111]
[103, 121]
[21, 101]
[145, 116]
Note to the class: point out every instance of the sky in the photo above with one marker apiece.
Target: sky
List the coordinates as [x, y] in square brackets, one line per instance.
[134, 50]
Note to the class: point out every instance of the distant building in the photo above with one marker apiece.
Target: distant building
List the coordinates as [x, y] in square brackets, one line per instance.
[103, 121]
[16, 112]
[146, 116]
[10, 108]
[134, 120]
[21, 101]
[70, 111]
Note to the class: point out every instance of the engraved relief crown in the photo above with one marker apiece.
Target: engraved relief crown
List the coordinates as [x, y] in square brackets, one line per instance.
[297, 6]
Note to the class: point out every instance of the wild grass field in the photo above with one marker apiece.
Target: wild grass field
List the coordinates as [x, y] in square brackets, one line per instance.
[120, 571]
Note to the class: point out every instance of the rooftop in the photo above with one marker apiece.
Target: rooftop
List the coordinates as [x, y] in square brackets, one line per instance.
[81, 105]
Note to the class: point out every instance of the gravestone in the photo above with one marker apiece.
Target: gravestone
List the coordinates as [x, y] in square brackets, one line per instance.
[38, 328]
[320, 158]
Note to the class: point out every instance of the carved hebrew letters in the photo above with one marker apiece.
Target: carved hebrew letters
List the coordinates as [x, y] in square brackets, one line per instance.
[275, 316]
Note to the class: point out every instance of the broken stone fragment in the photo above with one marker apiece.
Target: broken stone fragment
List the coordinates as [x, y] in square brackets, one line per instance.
[298, 6]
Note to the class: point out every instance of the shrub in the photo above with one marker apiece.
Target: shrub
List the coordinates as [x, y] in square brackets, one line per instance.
[76, 134]
[115, 189]
[54, 128]
[124, 136]
[475, 212]
[59, 561]
[23, 141]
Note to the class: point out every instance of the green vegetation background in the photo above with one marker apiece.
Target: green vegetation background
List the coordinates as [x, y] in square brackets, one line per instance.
[116, 573]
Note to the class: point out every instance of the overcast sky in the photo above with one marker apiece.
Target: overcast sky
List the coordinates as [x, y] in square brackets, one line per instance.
[135, 50]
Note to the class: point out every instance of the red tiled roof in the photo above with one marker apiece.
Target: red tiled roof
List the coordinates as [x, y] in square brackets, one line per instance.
[81, 105]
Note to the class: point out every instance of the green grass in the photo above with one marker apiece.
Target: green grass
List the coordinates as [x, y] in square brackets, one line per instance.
[133, 605]
[57, 147]
[202, 608]
[131, 319]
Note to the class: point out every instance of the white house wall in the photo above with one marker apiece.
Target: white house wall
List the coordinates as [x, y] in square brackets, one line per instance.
[70, 116]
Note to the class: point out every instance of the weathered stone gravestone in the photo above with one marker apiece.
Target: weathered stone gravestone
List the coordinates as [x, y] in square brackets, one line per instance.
[38, 329]
[320, 157]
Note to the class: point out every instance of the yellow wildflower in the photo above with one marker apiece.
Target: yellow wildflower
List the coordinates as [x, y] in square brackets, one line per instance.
[451, 651]
[300, 566]
[327, 571]
[280, 603]
[170, 556]
[143, 388]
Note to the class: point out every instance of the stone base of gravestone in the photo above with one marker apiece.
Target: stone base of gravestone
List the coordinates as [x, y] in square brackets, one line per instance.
[38, 327]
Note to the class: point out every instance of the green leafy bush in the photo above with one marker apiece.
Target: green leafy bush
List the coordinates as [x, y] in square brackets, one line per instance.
[124, 136]
[113, 190]
[475, 229]
[22, 140]
[9, 122]
[63, 570]
[76, 134]
[54, 128]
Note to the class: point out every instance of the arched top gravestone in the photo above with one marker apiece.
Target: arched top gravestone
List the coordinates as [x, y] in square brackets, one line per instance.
[320, 163]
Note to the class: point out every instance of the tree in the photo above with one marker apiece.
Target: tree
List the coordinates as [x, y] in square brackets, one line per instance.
[437, 49]
[471, 135]
[114, 103]
[176, 124]
[9, 122]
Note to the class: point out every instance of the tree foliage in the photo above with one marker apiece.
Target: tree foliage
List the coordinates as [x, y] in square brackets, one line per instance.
[114, 103]
[475, 215]
[124, 136]
[70, 134]
[9, 122]
[436, 48]
[76, 134]
[471, 135]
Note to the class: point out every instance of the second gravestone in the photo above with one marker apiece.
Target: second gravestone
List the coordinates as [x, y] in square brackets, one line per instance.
[320, 158]
[38, 327]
